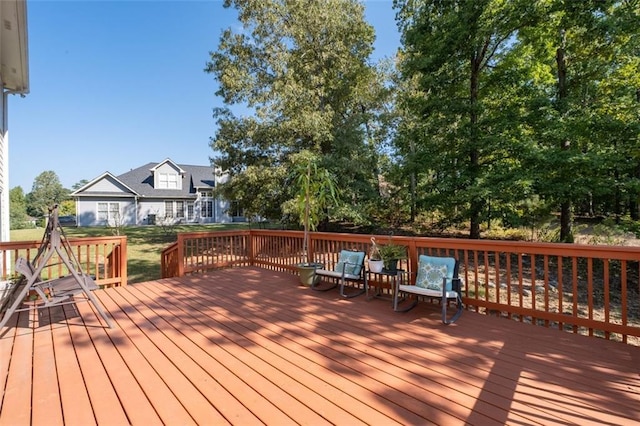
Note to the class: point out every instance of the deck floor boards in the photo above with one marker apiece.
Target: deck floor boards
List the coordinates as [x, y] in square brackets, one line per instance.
[250, 346]
[228, 363]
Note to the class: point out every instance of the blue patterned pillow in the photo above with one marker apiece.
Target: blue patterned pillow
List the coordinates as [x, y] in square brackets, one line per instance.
[350, 261]
[431, 271]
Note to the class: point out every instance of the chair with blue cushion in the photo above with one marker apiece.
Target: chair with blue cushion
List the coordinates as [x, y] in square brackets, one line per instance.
[348, 269]
[437, 277]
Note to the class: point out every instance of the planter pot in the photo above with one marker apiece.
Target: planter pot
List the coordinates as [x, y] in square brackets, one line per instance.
[391, 266]
[307, 273]
[376, 266]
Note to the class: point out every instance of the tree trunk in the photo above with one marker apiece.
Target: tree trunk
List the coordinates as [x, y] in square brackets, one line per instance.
[413, 189]
[565, 198]
[475, 220]
[566, 235]
[633, 197]
[475, 209]
[617, 198]
[633, 208]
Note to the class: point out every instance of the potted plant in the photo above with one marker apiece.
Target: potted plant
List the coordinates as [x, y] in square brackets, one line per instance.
[375, 258]
[316, 192]
[391, 253]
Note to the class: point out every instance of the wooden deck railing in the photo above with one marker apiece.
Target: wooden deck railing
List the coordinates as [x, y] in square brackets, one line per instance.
[105, 258]
[585, 289]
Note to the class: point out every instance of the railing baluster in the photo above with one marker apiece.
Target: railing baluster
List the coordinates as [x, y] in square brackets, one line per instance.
[606, 289]
[623, 293]
[534, 287]
[590, 292]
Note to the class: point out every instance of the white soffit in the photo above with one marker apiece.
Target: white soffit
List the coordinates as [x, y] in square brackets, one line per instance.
[14, 59]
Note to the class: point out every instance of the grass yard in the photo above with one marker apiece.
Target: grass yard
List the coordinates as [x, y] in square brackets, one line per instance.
[144, 243]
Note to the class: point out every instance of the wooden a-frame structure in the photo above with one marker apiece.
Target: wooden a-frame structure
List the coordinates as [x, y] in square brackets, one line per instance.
[67, 289]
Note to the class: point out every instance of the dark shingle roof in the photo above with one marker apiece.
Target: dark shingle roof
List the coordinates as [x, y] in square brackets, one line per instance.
[141, 181]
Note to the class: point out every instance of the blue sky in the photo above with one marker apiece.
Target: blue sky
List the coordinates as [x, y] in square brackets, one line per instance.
[117, 84]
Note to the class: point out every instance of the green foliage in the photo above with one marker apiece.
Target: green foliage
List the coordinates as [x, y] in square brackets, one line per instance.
[315, 191]
[630, 225]
[506, 111]
[547, 234]
[18, 209]
[511, 234]
[79, 184]
[392, 252]
[459, 134]
[258, 191]
[67, 207]
[516, 109]
[302, 71]
[608, 231]
[46, 192]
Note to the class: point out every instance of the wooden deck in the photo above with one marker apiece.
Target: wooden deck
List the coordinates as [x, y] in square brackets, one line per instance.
[250, 346]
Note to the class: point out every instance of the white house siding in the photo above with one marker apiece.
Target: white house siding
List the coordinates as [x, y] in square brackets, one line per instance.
[108, 185]
[4, 172]
[168, 168]
[14, 79]
[221, 211]
[150, 207]
[156, 207]
[87, 211]
[222, 206]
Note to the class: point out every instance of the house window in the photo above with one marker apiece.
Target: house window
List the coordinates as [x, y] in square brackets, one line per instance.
[190, 210]
[173, 181]
[168, 209]
[236, 210]
[206, 194]
[207, 209]
[109, 213]
[180, 209]
[167, 181]
[114, 212]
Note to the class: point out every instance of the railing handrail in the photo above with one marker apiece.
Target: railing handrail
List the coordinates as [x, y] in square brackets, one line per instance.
[104, 257]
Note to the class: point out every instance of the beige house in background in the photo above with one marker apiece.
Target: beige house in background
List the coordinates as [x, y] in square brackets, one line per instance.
[14, 78]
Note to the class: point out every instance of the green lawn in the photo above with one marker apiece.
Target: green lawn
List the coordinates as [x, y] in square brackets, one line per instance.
[144, 243]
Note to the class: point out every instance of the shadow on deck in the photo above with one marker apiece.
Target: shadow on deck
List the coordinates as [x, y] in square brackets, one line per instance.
[249, 346]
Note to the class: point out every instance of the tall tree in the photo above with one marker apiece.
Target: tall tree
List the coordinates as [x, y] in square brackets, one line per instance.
[17, 208]
[521, 107]
[616, 107]
[45, 192]
[451, 48]
[79, 184]
[301, 70]
[580, 134]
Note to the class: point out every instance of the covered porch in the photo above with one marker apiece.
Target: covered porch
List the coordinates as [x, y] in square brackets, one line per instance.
[250, 346]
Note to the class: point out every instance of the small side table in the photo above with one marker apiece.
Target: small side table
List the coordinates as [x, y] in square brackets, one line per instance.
[384, 280]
